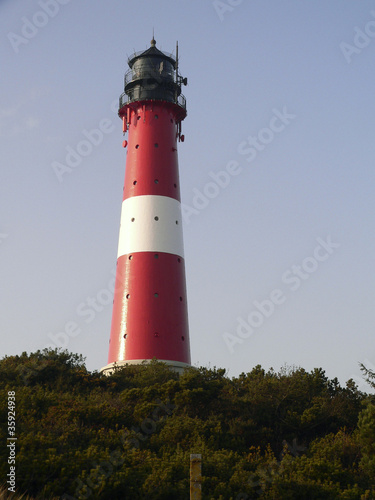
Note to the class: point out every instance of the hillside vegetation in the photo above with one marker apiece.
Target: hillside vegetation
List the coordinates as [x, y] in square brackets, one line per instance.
[265, 434]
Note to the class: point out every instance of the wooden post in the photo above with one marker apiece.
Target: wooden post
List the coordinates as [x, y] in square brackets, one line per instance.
[195, 477]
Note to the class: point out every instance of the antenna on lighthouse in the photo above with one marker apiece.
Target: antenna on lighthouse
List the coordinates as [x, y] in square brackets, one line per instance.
[176, 63]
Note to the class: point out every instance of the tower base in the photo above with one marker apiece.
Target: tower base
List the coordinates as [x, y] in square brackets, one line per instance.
[176, 366]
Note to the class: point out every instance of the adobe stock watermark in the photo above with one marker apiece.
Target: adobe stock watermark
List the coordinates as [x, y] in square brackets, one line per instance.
[248, 148]
[222, 8]
[87, 310]
[92, 139]
[30, 27]
[3, 237]
[293, 278]
[361, 39]
[129, 440]
[267, 473]
[29, 372]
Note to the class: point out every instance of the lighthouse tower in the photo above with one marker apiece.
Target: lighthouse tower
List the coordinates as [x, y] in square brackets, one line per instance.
[149, 317]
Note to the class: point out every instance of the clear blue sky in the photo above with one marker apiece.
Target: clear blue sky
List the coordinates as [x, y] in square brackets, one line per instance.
[280, 95]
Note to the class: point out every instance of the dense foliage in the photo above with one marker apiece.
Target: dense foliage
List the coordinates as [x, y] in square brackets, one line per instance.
[267, 435]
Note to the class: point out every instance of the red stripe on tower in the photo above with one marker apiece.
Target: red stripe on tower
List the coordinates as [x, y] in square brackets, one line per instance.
[149, 317]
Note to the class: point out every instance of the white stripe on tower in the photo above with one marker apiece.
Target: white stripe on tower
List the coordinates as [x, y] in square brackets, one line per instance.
[151, 223]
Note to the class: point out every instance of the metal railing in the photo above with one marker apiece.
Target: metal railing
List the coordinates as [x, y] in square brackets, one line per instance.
[126, 99]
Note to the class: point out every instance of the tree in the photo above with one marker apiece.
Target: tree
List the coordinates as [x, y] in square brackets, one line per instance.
[366, 436]
[369, 374]
[262, 435]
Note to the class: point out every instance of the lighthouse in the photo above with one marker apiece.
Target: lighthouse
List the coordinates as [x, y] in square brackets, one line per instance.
[150, 318]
